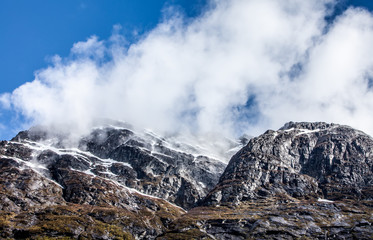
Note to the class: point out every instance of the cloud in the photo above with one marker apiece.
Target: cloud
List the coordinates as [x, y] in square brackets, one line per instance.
[334, 85]
[5, 100]
[90, 48]
[242, 66]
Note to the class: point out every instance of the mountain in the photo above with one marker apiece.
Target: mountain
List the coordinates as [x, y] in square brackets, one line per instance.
[306, 180]
[302, 160]
[111, 169]
[165, 168]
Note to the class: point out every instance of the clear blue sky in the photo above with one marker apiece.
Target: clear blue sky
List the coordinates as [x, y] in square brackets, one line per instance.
[33, 31]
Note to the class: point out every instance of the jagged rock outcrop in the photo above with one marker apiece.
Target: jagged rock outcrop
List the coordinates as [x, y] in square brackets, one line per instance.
[22, 188]
[154, 166]
[42, 193]
[146, 162]
[113, 169]
[306, 180]
[301, 160]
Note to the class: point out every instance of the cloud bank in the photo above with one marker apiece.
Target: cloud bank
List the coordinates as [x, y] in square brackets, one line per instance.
[243, 66]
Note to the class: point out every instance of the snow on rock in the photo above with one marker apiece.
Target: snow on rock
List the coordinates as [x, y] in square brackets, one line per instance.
[180, 169]
[324, 200]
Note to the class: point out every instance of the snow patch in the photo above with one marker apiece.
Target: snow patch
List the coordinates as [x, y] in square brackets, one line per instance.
[88, 172]
[306, 131]
[108, 162]
[324, 200]
[131, 190]
[34, 166]
[302, 131]
[39, 147]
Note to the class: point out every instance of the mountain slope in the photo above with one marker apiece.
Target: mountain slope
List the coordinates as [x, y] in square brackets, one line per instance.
[144, 161]
[301, 160]
[56, 199]
[112, 183]
[306, 180]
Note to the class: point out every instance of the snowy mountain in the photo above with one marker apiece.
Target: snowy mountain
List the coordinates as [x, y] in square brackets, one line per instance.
[144, 161]
[305, 180]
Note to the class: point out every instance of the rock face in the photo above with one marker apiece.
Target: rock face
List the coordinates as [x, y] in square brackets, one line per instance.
[140, 175]
[155, 166]
[43, 194]
[301, 160]
[306, 180]
[143, 161]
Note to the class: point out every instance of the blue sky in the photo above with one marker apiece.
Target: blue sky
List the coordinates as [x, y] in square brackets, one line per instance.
[32, 32]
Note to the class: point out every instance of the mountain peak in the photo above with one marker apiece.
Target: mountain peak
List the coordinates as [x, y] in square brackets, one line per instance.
[307, 125]
[303, 160]
[306, 180]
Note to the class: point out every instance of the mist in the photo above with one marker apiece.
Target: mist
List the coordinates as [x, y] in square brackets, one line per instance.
[242, 66]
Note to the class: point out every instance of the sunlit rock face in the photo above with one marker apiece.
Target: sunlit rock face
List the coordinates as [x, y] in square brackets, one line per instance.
[301, 160]
[49, 192]
[52, 187]
[179, 172]
[154, 165]
[306, 180]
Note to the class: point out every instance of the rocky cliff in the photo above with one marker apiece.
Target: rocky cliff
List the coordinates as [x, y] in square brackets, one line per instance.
[145, 179]
[301, 160]
[306, 180]
[168, 169]
[49, 193]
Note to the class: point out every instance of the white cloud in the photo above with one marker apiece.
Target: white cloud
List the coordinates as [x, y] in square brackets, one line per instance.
[334, 83]
[5, 100]
[90, 48]
[199, 75]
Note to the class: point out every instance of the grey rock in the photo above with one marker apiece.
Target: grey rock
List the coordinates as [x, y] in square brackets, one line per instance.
[279, 182]
[154, 166]
[304, 181]
[143, 161]
[301, 160]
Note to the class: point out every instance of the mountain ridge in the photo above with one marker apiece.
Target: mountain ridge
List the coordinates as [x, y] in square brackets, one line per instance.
[151, 164]
[119, 184]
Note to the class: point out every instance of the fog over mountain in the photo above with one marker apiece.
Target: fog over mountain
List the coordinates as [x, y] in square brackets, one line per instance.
[241, 66]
